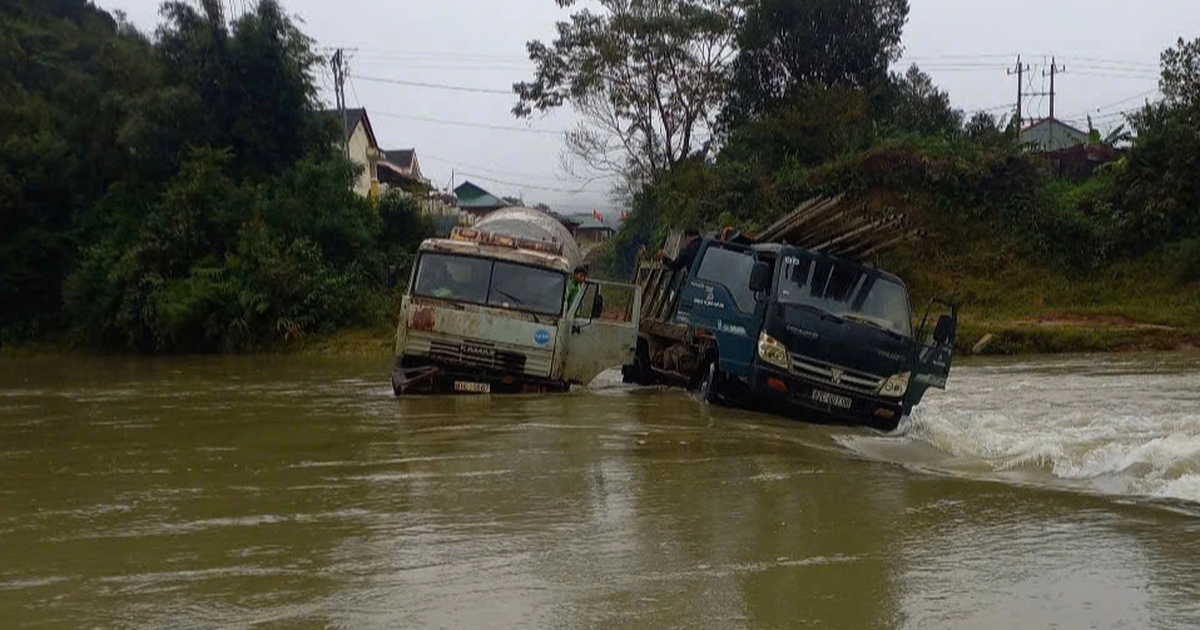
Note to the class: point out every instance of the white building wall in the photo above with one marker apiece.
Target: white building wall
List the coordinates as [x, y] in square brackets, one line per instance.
[360, 145]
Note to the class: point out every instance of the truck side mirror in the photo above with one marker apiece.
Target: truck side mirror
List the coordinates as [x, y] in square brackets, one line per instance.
[597, 305]
[760, 277]
[944, 330]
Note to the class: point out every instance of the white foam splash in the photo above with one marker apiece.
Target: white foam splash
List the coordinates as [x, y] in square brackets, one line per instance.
[1122, 427]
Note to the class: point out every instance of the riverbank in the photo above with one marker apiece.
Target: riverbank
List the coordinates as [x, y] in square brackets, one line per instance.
[1054, 334]
[1050, 333]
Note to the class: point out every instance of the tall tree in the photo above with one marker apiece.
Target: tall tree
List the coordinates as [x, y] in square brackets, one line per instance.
[915, 105]
[787, 44]
[1180, 82]
[255, 82]
[646, 75]
[69, 73]
[1160, 179]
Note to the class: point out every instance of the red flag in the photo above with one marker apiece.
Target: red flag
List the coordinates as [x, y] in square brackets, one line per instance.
[597, 215]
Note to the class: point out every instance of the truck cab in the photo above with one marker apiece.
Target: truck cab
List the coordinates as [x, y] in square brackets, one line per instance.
[803, 331]
[490, 310]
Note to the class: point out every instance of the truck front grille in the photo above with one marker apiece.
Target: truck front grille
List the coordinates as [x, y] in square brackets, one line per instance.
[476, 354]
[835, 376]
[479, 353]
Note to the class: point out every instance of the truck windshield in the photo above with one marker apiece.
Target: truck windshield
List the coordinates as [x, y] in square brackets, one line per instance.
[491, 283]
[847, 291]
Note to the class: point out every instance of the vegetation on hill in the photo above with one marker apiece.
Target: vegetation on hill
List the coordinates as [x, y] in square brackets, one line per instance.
[179, 193]
[183, 192]
[811, 109]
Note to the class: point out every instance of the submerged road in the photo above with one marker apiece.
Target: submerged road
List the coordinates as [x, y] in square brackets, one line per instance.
[288, 492]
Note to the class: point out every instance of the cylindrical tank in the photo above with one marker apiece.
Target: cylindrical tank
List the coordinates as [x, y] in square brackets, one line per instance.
[534, 225]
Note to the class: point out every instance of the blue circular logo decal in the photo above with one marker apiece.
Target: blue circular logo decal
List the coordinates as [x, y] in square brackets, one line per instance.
[542, 337]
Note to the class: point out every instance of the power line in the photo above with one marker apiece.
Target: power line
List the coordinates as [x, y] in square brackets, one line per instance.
[460, 55]
[439, 54]
[446, 66]
[488, 168]
[521, 185]
[458, 123]
[1144, 64]
[993, 108]
[1117, 75]
[1115, 103]
[354, 91]
[1122, 69]
[963, 56]
[437, 86]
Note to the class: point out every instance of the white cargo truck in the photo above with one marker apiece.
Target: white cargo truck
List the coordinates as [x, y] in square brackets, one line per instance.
[490, 310]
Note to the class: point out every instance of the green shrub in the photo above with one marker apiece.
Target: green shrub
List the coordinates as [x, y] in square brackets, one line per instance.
[1183, 260]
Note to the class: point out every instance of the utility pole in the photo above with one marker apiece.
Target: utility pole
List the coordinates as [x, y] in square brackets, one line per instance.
[338, 64]
[1020, 71]
[1054, 70]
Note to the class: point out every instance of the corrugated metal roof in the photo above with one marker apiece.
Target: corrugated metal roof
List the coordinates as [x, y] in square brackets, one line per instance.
[472, 196]
[402, 158]
[1052, 135]
[354, 116]
[589, 222]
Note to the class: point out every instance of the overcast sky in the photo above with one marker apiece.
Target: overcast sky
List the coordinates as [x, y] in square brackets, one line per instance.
[1110, 49]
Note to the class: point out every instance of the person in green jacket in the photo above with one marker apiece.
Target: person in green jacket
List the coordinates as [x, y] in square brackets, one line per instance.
[578, 278]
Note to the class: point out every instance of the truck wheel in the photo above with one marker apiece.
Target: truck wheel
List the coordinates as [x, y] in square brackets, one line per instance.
[640, 373]
[710, 387]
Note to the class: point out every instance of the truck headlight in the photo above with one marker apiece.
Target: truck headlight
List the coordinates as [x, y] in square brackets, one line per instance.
[896, 386]
[773, 352]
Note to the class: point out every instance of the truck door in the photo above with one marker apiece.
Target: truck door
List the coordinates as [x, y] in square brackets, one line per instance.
[717, 300]
[935, 351]
[600, 330]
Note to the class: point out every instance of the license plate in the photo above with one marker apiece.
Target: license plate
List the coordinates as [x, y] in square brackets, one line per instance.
[474, 388]
[833, 400]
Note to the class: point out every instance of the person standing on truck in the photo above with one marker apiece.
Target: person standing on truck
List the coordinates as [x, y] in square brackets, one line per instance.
[687, 255]
[578, 278]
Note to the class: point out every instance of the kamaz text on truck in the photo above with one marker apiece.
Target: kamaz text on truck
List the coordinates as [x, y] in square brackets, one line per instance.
[487, 310]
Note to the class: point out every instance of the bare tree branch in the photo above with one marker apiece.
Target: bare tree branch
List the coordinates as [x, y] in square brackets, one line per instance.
[647, 76]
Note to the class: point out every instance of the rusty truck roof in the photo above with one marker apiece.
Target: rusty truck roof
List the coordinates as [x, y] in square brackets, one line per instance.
[496, 252]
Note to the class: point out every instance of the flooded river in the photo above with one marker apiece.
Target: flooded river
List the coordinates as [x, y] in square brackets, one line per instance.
[291, 492]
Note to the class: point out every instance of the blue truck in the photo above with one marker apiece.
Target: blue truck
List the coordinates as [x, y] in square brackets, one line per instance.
[792, 330]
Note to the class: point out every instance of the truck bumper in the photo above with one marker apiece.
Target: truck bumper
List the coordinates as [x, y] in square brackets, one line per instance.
[804, 399]
[421, 376]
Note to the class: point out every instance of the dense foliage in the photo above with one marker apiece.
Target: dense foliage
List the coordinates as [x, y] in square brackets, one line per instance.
[646, 76]
[790, 45]
[180, 194]
[839, 123]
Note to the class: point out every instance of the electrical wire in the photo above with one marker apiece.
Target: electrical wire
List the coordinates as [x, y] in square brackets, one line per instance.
[437, 86]
[521, 185]
[487, 169]
[473, 125]
[1116, 103]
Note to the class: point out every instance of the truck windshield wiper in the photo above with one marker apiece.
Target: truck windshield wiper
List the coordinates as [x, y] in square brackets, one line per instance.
[537, 317]
[815, 309]
[854, 317]
[510, 296]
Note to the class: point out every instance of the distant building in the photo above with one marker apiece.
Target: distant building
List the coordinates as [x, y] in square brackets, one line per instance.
[401, 169]
[1072, 153]
[567, 222]
[1050, 135]
[477, 201]
[363, 149]
[591, 230]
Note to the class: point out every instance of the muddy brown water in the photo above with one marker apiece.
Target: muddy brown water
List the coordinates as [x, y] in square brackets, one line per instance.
[289, 492]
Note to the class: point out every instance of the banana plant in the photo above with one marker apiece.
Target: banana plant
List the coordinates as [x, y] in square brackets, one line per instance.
[1118, 135]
